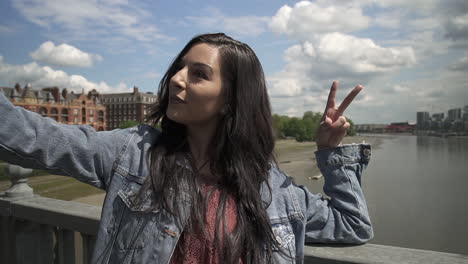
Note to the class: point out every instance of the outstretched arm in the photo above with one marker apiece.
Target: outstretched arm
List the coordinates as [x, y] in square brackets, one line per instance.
[30, 140]
[343, 218]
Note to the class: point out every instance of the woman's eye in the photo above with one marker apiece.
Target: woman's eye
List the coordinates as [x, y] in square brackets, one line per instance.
[200, 74]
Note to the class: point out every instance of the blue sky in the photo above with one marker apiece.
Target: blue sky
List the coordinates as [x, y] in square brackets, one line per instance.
[409, 55]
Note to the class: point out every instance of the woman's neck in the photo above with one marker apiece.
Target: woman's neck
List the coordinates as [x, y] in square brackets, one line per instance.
[199, 138]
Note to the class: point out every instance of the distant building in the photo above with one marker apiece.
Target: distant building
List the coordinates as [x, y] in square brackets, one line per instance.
[400, 127]
[465, 113]
[134, 106]
[423, 120]
[438, 117]
[370, 128]
[465, 117]
[454, 114]
[60, 105]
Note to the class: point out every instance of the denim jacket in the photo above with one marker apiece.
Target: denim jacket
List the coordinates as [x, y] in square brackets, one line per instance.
[116, 161]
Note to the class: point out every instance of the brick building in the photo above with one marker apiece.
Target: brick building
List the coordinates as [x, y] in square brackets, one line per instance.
[60, 105]
[134, 106]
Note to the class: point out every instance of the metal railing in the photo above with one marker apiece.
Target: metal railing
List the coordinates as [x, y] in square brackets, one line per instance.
[35, 229]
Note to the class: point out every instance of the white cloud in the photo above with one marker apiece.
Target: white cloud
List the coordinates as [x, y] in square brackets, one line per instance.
[361, 55]
[335, 55]
[423, 6]
[401, 88]
[292, 111]
[417, 5]
[388, 20]
[240, 26]
[457, 27]
[303, 83]
[64, 55]
[40, 76]
[307, 19]
[461, 65]
[90, 19]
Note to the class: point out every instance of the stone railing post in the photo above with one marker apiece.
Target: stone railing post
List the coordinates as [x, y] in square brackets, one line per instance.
[19, 182]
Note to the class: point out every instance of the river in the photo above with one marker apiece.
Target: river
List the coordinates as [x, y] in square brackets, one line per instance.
[417, 193]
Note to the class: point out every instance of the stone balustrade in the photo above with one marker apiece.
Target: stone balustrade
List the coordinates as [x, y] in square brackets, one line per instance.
[35, 229]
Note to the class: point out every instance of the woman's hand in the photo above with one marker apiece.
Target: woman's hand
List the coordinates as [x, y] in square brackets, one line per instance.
[333, 126]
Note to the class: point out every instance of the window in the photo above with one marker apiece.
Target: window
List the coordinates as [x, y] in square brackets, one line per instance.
[64, 118]
[75, 111]
[43, 111]
[54, 114]
[83, 115]
[100, 116]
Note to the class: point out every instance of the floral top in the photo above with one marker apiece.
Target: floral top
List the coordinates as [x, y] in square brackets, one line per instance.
[197, 247]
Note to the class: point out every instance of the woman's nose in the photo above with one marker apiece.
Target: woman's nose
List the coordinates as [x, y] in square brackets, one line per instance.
[180, 78]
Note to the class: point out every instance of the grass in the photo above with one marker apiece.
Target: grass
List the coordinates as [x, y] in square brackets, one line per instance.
[57, 187]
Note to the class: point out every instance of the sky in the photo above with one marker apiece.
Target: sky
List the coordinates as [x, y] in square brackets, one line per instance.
[409, 55]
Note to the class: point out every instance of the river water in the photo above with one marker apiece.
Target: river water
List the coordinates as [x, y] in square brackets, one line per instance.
[417, 192]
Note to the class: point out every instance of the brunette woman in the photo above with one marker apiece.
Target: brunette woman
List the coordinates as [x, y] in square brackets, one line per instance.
[205, 188]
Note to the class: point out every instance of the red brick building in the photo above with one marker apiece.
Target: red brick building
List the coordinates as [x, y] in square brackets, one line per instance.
[62, 106]
[134, 106]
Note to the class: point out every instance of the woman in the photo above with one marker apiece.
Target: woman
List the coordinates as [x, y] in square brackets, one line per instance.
[206, 188]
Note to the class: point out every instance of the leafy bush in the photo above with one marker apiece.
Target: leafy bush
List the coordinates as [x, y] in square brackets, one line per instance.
[302, 129]
[128, 123]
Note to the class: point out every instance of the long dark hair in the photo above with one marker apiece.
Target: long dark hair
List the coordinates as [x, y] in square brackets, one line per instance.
[240, 153]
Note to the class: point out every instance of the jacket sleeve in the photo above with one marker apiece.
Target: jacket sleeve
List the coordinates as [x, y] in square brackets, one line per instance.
[342, 218]
[32, 141]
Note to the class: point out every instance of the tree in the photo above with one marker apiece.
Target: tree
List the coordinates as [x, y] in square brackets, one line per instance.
[352, 128]
[304, 129]
[278, 123]
[128, 123]
[311, 122]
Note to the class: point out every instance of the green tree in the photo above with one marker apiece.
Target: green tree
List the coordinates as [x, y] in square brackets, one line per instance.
[278, 123]
[311, 122]
[304, 129]
[352, 129]
[128, 123]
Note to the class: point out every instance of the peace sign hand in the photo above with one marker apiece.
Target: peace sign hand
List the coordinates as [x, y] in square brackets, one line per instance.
[333, 127]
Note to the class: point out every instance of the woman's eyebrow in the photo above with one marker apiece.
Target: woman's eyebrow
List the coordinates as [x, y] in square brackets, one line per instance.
[200, 64]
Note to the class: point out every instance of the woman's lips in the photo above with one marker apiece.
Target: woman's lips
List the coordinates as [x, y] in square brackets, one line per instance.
[176, 100]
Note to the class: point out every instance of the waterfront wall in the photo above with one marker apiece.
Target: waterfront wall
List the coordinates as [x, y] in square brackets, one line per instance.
[35, 229]
[42, 230]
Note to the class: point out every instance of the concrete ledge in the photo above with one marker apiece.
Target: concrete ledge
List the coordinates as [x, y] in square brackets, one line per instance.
[85, 219]
[372, 253]
[64, 214]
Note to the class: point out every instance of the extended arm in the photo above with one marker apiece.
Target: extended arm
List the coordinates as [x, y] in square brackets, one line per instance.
[344, 218]
[30, 140]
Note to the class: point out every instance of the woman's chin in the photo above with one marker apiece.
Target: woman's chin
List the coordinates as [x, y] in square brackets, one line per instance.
[174, 116]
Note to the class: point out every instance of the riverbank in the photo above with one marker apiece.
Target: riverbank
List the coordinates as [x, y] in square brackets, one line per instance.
[296, 159]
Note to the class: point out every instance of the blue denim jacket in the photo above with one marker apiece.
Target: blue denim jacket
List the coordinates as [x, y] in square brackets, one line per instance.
[116, 161]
